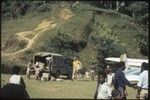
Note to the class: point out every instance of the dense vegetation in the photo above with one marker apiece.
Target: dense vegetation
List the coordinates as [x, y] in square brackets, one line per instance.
[92, 34]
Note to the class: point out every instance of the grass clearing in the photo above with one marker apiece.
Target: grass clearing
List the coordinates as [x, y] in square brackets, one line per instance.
[81, 88]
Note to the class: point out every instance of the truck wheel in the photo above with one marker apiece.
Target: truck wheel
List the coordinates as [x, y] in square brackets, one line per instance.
[57, 74]
[49, 77]
[68, 76]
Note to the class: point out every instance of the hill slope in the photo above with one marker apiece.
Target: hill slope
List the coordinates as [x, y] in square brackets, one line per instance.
[70, 29]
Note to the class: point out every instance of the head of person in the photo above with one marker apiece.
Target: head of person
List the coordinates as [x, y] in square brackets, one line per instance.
[16, 70]
[75, 58]
[37, 66]
[31, 60]
[101, 77]
[116, 94]
[122, 65]
[144, 66]
[92, 63]
[108, 69]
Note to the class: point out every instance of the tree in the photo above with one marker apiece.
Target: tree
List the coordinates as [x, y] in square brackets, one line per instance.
[143, 43]
[138, 8]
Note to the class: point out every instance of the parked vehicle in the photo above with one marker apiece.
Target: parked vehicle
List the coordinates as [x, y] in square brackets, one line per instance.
[55, 64]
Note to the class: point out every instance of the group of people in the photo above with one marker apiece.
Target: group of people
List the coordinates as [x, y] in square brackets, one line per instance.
[109, 85]
[38, 67]
[113, 85]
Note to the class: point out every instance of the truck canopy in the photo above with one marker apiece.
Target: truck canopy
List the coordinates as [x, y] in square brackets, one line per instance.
[41, 56]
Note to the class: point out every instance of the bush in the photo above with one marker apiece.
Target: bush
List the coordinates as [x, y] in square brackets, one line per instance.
[22, 44]
[44, 8]
[6, 67]
[107, 48]
[143, 43]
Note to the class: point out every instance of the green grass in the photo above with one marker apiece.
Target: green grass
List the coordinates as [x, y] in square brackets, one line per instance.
[81, 88]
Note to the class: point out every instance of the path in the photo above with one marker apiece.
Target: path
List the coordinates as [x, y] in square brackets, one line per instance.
[31, 36]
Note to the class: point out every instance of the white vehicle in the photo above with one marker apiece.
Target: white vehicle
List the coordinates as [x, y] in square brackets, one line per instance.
[133, 66]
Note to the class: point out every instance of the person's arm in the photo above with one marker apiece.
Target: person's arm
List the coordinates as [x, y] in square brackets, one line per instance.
[125, 80]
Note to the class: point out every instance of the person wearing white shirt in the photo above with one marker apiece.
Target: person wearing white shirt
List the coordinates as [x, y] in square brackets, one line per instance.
[110, 76]
[103, 90]
[142, 85]
[16, 88]
[16, 78]
[30, 68]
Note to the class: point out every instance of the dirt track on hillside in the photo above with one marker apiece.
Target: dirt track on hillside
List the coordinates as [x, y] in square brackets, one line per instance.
[31, 36]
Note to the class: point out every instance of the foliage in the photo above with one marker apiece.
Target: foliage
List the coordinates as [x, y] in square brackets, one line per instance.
[86, 34]
[107, 48]
[139, 10]
[143, 43]
[138, 7]
[63, 42]
[11, 44]
[13, 9]
[44, 8]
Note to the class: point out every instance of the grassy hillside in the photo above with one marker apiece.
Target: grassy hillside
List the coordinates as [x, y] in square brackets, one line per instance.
[73, 26]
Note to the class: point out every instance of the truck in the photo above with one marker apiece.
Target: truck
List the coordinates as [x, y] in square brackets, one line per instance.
[54, 64]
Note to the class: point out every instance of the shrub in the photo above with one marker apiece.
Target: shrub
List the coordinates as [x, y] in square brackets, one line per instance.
[106, 48]
[22, 44]
[143, 43]
[44, 8]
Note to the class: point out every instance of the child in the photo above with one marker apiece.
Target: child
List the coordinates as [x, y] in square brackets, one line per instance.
[116, 94]
[103, 90]
[37, 72]
[110, 76]
[16, 78]
[92, 71]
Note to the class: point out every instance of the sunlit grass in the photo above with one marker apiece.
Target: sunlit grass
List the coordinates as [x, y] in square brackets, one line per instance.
[81, 88]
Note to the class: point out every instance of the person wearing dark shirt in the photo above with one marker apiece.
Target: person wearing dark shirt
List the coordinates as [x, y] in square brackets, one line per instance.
[120, 80]
[92, 71]
[14, 91]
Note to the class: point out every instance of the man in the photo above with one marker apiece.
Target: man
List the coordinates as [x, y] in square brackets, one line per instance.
[103, 91]
[16, 87]
[142, 86]
[16, 78]
[76, 66]
[110, 76]
[37, 71]
[14, 91]
[30, 68]
[120, 80]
